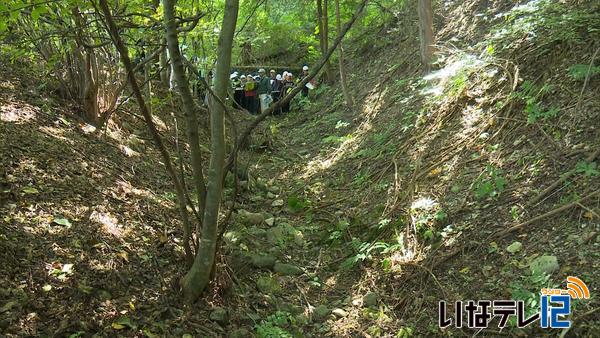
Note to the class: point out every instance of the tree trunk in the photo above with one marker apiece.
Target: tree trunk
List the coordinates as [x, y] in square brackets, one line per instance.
[164, 68]
[323, 24]
[338, 27]
[189, 106]
[88, 85]
[426, 34]
[197, 278]
[123, 52]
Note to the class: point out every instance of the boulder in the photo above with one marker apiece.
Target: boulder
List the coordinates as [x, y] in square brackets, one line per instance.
[321, 312]
[263, 261]
[219, 315]
[287, 269]
[370, 299]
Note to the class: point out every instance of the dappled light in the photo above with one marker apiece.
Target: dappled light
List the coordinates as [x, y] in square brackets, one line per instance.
[299, 169]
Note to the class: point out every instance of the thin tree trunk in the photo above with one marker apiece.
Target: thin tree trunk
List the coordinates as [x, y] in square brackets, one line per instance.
[164, 70]
[426, 34]
[338, 26]
[197, 278]
[322, 24]
[189, 106]
[114, 32]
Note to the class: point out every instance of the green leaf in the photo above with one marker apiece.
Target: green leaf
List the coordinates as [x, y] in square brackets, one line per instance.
[123, 322]
[38, 11]
[30, 190]
[62, 221]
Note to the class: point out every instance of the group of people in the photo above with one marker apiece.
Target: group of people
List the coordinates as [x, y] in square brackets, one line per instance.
[256, 93]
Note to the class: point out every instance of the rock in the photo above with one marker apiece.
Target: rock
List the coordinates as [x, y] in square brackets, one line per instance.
[514, 247]
[187, 335]
[287, 269]
[277, 203]
[270, 221]
[240, 333]
[268, 285]
[321, 312]
[251, 217]
[370, 299]
[287, 307]
[231, 237]
[273, 189]
[263, 261]
[219, 315]
[271, 195]
[258, 232]
[544, 264]
[257, 198]
[340, 313]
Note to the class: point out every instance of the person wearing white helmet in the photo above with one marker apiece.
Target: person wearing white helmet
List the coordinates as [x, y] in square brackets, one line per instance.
[308, 85]
[276, 91]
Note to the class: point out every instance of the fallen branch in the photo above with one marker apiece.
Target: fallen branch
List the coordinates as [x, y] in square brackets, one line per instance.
[548, 214]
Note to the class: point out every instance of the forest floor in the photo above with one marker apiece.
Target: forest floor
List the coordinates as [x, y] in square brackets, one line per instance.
[350, 222]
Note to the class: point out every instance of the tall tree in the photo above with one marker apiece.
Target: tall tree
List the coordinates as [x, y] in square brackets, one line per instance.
[124, 53]
[338, 27]
[189, 106]
[426, 34]
[197, 278]
[323, 24]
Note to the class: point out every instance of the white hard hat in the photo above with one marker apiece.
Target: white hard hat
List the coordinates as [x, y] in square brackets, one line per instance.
[305, 68]
[278, 77]
[262, 70]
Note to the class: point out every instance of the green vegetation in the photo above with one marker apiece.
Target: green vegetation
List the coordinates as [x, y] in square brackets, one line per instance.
[433, 151]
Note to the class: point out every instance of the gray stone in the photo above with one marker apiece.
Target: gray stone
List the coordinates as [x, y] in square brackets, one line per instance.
[253, 218]
[270, 221]
[321, 312]
[219, 315]
[277, 203]
[263, 261]
[514, 247]
[544, 264]
[268, 285]
[340, 313]
[287, 269]
[271, 195]
[370, 299]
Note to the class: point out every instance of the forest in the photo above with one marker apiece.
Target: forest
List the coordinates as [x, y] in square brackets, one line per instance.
[308, 168]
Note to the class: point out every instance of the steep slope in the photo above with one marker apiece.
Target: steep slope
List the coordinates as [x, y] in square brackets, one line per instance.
[416, 194]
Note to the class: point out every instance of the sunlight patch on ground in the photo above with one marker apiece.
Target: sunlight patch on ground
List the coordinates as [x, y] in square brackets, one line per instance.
[370, 109]
[56, 133]
[18, 114]
[125, 188]
[110, 224]
[441, 78]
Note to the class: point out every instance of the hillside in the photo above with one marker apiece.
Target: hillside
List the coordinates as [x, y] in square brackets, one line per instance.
[478, 181]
